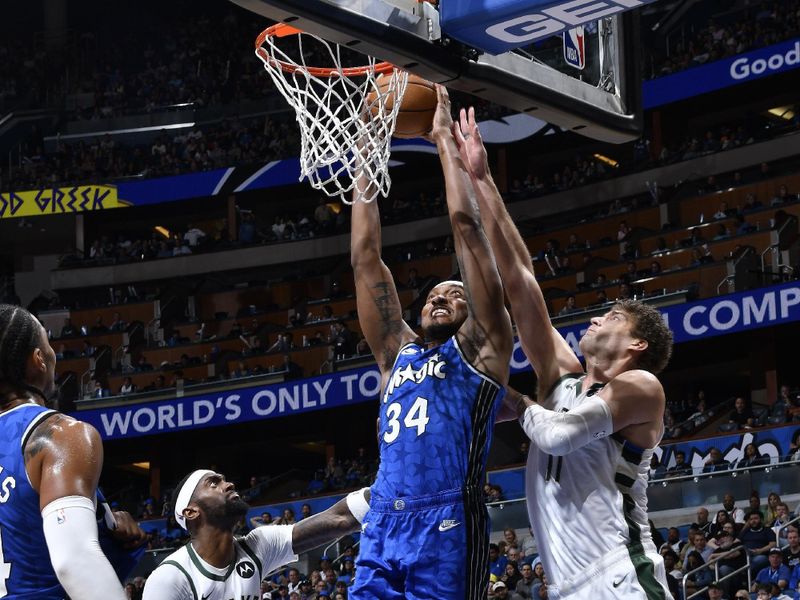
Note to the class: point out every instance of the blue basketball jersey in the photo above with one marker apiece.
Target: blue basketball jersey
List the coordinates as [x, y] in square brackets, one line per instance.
[436, 420]
[25, 569]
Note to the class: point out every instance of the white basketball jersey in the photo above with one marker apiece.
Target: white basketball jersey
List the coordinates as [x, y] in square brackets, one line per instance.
[589, 503]
[184, 575]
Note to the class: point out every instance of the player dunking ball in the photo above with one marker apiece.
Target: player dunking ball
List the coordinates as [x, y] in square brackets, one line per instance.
[215, 564]
[593, 432]
[49, 467]
[426, 534]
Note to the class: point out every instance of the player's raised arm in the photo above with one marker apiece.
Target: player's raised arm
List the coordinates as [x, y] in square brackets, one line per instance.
[548, 352]
[486, 334]
[63, 458]
[340, 519]
[379, 312]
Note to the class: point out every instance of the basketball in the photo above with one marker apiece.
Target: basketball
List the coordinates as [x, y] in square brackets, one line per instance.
[415, 117]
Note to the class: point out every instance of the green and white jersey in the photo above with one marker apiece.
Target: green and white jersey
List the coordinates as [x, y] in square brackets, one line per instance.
[588, 504]
[183, 575]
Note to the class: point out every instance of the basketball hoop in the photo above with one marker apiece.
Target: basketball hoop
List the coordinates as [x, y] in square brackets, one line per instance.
[346, 118]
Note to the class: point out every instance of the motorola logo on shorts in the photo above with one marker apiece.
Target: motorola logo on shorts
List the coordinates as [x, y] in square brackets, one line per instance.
[245, 569]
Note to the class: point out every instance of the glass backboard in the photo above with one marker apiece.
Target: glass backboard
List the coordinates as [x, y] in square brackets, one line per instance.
[601, 99]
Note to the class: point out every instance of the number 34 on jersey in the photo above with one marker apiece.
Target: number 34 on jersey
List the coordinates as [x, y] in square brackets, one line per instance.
[415, 418]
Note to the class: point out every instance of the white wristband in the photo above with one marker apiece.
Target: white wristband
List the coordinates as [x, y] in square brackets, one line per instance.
[357, 503]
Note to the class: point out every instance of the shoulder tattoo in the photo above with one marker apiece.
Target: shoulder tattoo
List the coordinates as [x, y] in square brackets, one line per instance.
[43, 434]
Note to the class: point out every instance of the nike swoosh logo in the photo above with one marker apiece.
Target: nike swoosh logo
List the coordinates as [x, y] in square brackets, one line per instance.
[616, 583]
[448, 526]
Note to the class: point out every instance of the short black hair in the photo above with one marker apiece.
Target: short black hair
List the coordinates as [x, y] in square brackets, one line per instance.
[648, 324]
[19, 336]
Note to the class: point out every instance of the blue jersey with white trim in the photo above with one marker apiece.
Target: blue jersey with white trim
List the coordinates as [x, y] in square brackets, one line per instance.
[436, 420]
[25, 569]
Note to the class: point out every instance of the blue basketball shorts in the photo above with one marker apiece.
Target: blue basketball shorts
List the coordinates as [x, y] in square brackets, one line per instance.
[424, 548]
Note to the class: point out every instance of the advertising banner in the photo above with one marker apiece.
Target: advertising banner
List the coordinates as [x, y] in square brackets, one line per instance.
[691, 321]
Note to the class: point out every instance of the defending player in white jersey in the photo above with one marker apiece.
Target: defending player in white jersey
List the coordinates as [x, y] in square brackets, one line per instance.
[216, 565]
[593, 432]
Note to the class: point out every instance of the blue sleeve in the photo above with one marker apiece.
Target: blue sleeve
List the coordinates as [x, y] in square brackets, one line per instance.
[795, 578]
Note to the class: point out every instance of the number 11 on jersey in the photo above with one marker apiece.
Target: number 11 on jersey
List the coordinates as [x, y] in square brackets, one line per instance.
[417, 416]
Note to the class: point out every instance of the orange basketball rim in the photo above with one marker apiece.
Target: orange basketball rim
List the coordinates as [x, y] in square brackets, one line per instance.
[282, 30]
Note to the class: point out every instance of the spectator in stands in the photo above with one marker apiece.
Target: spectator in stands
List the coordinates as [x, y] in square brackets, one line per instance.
[771, 511]
[510, 537]
[716, 462]
[775, 573]
[700, 547]
[719, 523]
[751, 458]
[88, 350]
[68, 329]
[142, 364]
[413, 282]
[703, 524]
[791, 554]
[721, 233]
[362, 347]
[724, 212]
[570, 307]
[751, 204]
[736, 514]
[127, 387]
[324, 217]
[715, 591]
[282, 344]
[742, 414]
[99, 327]
[727, 542]
[601, 298]
[526, 582]
[782, 197]
[193, 236]
[701, 578]
[755, 506]
[680, 467]
[757, 540]
[783, 516]
[528, 545]
[674, 541]
[670, 562]
[794, 449]
[342, 339]
[497, 561]
[100, 391]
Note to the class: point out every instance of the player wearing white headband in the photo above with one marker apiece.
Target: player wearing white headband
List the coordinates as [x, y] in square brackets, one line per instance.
[215, 564]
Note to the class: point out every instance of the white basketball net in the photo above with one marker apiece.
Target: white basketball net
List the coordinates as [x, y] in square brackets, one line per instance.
[340, 140]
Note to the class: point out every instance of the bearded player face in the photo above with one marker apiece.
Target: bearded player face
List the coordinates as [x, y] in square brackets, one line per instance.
[219, 501]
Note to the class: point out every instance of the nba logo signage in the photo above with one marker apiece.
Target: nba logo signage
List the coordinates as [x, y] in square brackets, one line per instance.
[575, 47]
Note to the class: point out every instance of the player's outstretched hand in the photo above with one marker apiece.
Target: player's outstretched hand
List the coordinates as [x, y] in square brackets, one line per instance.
[127, 531]
[470, 145]
[442, 119]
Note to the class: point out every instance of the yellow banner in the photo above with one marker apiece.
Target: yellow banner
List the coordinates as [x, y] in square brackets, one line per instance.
[57, 201]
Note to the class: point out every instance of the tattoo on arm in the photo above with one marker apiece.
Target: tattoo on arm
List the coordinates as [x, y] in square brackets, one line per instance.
[386, 302]
[323, 527]
[41, 436]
